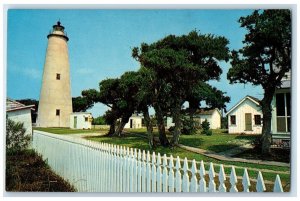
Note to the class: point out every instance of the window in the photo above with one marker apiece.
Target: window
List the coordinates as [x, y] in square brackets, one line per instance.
[257, 119]
[86, 118]
[57, 112]
[57, 76]
[232, 120]
[283, 112]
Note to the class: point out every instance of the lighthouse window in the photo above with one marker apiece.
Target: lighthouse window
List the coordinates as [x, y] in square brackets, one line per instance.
[57, 76]
[57, 112]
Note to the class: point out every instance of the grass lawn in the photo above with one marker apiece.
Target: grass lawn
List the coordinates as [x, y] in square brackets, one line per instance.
[219, 141]
[69, 131]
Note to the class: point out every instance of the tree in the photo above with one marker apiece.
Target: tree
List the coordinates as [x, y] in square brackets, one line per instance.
[81, 104]
[264, 59]
[108, 95]
[179, 63]
[99, 120]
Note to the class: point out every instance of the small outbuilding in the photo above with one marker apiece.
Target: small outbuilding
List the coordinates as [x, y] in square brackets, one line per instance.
[19, 112]
[245, 117]
[81, 120]
[213, 116]
[135, 121]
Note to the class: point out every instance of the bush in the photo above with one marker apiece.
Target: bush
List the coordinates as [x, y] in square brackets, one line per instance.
[16, 138]
[205, 128]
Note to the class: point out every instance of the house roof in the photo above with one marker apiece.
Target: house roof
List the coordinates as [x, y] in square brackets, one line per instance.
[12, 105]
[251, 98]
[206, 111]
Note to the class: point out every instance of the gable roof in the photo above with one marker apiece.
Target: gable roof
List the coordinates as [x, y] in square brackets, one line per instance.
[12, 105]
[251, 98]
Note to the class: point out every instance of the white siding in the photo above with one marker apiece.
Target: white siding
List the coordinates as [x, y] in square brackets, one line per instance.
[81, 123]
[246, 106]
[214, 119]
[136, 122]
[23, 116]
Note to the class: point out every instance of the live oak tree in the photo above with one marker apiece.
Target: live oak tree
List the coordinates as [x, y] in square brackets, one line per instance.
[109, 96]
[179, 64]
[264, 59]
[81, 104]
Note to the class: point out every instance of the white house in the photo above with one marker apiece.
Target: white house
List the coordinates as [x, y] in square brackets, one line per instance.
[135, 121]
[19, 112]
[245, 117]
[281, 113]
[81, 120]
[213, 116]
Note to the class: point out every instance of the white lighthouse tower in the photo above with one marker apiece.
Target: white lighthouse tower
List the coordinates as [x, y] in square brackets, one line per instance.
[55, 104]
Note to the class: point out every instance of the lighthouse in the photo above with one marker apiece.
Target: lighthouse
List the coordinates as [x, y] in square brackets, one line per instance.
[55, 104]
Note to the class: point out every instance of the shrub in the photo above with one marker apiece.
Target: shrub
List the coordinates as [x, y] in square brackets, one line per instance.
[205, 128]
[16, 138]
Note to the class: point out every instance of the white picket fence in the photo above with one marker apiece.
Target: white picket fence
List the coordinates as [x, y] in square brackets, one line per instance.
[99, 167]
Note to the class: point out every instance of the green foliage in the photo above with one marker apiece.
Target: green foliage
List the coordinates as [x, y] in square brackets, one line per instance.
[16, 138]
[206, 128]
[81, 104]
[99, 121]
[267, 46]
[188, 126]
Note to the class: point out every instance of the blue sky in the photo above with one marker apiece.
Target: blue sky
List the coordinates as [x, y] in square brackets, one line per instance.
[101, 41]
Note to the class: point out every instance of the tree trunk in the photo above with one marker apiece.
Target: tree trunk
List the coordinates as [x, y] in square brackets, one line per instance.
[149, 128]
[266, 138]
[177, 128]
[112, 129]
[120, 129]
[121, 126]
[161, 127]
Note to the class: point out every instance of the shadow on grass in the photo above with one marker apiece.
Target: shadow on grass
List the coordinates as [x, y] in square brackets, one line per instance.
[192, 142]
[221, 147]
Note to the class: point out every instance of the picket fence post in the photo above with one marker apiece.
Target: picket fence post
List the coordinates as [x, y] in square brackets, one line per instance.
[171, 175]
[222, 179]
[185, 179]
[159, 174]
[194, 185]
[202, 182]
[233, 180]
[144, 172]
[148, 172]
[246, 181]
[153, 171]
[260, 185]
[165, 174]
[139, 172]
[277, 185]
[212, 184]
[178, 175]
